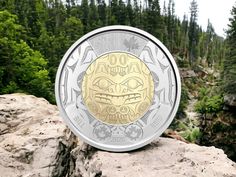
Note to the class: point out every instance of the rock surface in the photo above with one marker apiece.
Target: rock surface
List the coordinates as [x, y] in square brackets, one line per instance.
[166, 158]
[186, 73]
[34, 142]
[33, 139]
[230, 100]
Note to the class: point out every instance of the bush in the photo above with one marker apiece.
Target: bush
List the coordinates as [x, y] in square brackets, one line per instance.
[10, 88]
[21, 68]
[192, 135]
[203, 92]
[208, 104]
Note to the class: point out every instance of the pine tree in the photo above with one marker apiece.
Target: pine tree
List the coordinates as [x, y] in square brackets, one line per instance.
[170, 24]
[184, 38]
[51, 26]
[152, 19]
[102, 13]
[93, 16]
[164, 10]
[193, 35]
[210, 33]
[121, 13]
[73, 28]
[229, 74]
[85, 15]
[137, 15]
[130, 14]
[56, 16]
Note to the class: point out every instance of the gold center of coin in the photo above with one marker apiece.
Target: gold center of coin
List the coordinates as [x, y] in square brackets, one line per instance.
[117, 88]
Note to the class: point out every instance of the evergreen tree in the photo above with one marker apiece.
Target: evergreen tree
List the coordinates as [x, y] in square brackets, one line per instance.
[130, 14]
[229, 74]
[210, 33]
[152, 19]
[56, 16]
[164, 10]
[73, 29]
[170, 24]
[113, 12]
[93, 16]
[193, 35]
[102, 13]
[121, 14]
[51, 26]
[184, 38]
[85, 15]
[137, 15]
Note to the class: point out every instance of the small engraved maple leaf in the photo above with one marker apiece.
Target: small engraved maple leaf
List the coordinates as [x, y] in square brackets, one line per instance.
[131, 44]
[134, 132]
[102, 132]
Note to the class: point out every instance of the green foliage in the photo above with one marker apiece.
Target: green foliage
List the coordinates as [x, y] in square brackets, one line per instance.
[192, 135]
[22, 68]
[102, 14]
[93, 16]
[8, 27]
[214, 104]
[10, 88]
[183, 101]
[85, 15]
[193, 34]
[181, 62]
[31, 71]
[219, 126]
[208, 104]
[73, 28]
[203, 92]
[187, 130]
[229, 73]
[40, 32]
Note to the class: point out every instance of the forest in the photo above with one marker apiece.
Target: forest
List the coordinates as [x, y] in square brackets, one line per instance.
[35, 34]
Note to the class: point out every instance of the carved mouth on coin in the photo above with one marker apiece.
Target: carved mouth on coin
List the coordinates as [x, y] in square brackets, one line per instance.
[117, 99]
[119, 117]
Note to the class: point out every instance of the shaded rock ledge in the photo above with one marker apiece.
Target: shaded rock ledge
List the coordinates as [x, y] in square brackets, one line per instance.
[34, 142]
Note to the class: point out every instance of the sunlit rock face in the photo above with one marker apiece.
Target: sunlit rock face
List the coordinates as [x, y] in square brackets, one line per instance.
[34, 142]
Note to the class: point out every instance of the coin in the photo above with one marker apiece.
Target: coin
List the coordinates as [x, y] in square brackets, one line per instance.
[118, 88]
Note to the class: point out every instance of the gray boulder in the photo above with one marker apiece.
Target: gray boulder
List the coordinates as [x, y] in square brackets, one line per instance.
[34, 142]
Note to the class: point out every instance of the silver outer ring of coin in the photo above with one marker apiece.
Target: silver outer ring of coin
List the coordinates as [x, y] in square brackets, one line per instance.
[141, 142]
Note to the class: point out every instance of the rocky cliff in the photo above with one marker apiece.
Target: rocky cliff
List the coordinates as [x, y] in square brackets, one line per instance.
[34, 142]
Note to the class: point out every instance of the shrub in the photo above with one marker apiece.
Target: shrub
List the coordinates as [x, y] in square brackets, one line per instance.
[192, 135]
[207, 104]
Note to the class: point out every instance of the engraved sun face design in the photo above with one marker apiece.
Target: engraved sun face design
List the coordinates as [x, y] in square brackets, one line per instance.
[117, 88]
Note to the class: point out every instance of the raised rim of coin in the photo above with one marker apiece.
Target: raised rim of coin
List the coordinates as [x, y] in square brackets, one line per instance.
[138, 144]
